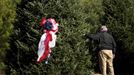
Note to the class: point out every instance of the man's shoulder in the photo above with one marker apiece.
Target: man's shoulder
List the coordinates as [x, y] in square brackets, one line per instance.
[107, 34]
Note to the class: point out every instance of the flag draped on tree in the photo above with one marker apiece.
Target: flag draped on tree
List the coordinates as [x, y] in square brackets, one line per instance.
[48, 39]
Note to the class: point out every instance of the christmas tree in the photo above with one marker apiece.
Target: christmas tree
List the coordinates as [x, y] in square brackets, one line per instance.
[71, 55]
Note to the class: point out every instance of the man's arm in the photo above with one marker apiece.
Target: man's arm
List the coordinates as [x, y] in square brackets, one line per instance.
[94, 36]
[114, 45]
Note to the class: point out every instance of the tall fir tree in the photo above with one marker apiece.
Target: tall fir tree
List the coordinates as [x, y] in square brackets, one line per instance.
[119, 18]
[71, 55]
[7, 17]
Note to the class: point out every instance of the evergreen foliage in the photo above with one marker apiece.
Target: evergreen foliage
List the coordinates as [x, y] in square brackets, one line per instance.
[7, 17]
[119, 18]
[71, 55]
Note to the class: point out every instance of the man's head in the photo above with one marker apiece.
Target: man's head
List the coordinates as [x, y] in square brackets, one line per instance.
[103, 28]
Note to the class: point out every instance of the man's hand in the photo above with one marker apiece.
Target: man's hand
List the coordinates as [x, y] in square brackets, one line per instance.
[113, 56]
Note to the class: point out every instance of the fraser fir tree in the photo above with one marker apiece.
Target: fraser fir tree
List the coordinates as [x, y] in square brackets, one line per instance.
[119, 18]
[71, 55]
[7, 17]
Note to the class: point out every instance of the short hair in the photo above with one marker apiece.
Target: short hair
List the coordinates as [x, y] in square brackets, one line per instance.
[104, 28]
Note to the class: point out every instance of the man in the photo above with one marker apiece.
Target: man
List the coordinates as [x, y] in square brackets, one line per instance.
[106, 46]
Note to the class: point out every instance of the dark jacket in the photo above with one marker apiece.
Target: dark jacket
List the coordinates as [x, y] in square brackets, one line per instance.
[105, 41]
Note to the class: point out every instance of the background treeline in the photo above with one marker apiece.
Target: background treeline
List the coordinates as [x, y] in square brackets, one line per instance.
[73, 55]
